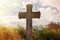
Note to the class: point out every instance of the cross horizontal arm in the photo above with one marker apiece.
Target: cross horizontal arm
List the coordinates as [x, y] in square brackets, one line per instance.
[24, 15]
[36, 14]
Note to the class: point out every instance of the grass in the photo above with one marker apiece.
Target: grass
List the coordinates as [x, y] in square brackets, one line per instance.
[9, 33]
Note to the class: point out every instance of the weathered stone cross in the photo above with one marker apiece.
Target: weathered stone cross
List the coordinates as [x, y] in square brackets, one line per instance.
[29, 15]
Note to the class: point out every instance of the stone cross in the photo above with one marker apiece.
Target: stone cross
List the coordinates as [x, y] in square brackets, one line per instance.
[29, 15]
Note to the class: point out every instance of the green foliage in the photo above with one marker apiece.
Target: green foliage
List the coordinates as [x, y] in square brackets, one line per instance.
[39, 33]
[22, 31]
[36, 35]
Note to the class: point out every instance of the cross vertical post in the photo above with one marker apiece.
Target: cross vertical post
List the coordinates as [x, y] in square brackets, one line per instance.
[29, 15]
[29, 23]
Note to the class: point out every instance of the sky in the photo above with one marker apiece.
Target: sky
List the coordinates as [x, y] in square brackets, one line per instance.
[9, 9]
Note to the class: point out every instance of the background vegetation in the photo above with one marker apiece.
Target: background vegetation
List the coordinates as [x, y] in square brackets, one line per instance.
[48, 32]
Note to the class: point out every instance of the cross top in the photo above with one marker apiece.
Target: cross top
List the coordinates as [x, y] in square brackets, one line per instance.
[29, 12]
[29, 7]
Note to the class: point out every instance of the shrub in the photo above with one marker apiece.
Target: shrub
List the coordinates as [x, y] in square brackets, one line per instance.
[22, 32]
[41, 33]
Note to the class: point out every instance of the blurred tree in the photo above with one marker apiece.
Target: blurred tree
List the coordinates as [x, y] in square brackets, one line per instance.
[54, 25]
